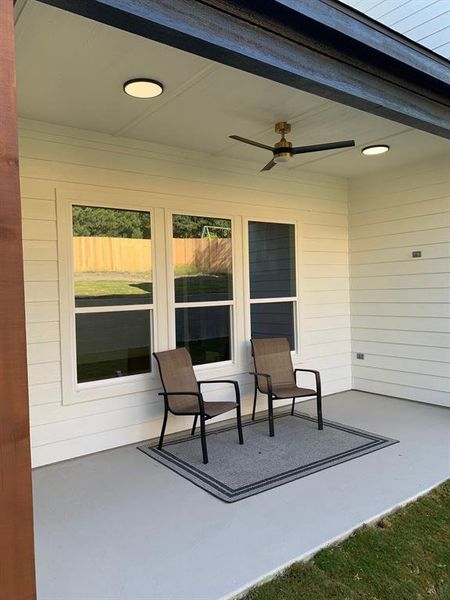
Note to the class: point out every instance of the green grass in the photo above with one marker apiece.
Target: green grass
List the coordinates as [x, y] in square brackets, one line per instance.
[185, 285]
[406, 556]
[94, 288]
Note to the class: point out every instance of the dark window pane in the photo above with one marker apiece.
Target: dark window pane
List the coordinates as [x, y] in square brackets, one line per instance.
[272, 260]
[205, 332]
[111, 256]
[112, 344]
[202, 259]
[274, 319]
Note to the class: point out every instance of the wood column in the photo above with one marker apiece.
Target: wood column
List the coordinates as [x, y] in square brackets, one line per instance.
[17, 580]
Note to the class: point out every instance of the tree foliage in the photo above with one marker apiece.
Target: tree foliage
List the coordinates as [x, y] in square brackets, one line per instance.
[111, 222]
[185, 226]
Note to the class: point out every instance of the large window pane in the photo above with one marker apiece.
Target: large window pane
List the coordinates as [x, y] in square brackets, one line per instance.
[202, 258]
[273, 320]
[272, 260]
[111, 256]
[112, 344]
[205, 332]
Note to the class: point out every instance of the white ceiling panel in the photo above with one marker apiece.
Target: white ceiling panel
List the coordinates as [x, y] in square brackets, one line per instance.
[70, 71]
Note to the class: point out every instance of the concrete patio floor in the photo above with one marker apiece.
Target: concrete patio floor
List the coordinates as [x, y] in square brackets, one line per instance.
[119, 526]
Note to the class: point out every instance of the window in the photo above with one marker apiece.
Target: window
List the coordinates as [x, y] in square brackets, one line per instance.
[272, 271]
[203, 286]
[110, 252]
[113, 287]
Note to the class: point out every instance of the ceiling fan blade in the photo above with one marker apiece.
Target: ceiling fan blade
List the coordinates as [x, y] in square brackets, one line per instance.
[269, 165]
[320, 147]
[251, 142]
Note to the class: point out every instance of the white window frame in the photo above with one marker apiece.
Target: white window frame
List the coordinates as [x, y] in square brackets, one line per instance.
[226, 366]
[297, 317]
[74, 392]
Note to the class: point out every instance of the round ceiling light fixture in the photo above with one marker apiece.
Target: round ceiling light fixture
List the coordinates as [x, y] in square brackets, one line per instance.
[374, 150]
[143, 88]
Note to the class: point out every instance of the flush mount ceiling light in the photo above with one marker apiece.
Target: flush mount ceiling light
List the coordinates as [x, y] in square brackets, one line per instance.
[374, 150]
[143, 88]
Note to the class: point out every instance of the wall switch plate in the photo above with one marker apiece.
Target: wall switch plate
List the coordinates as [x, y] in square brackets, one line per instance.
[417, 253]
[360, 355]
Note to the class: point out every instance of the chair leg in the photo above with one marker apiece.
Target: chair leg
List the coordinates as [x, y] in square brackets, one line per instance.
[203, 436]
[163, 429]
[254, 403]
[293, 407]
[319, 411]
[271, 428]
[239, 424]
[194, 425]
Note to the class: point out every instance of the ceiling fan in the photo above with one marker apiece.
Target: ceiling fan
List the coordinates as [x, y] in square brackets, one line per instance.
[283, 150]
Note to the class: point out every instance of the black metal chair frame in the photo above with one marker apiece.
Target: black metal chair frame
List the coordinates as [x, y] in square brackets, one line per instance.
[201, 413]
[271, 397]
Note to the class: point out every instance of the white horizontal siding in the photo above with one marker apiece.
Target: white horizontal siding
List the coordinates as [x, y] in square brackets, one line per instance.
[424, 21]
[400, 305]
[56, 157]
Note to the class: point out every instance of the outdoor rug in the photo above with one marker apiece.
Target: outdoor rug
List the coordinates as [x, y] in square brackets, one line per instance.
[235, 472]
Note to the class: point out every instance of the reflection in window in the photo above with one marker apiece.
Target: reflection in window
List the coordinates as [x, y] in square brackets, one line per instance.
[112, 344]
[272, 260]
[205, 332]
[202, 259]
[111, 256]
[112, 265]
[271, 250]
[273, 320]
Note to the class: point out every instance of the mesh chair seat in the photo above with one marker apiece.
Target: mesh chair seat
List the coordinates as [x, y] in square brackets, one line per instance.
[291, 391]
[213, 409]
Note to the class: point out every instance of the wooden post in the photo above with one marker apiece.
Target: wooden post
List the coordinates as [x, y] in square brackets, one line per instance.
[17, 580]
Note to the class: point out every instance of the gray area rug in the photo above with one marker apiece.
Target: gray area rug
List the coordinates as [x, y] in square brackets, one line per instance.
[235, 472]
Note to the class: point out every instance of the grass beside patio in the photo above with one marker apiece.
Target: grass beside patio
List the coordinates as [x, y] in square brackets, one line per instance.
[406, 556]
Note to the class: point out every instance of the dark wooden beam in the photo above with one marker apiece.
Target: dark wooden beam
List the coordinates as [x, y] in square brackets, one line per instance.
[306, 44]
[17, 580]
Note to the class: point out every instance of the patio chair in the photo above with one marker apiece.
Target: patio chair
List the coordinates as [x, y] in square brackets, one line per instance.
[182, 394]
[275, 376]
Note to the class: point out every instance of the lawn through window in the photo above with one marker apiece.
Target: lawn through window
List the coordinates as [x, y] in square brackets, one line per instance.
[112, 264]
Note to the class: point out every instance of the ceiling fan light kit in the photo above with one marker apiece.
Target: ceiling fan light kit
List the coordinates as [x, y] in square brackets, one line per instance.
[283, 150]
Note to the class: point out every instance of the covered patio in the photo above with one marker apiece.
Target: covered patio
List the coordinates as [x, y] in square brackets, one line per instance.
[111, 525]
[141, 227]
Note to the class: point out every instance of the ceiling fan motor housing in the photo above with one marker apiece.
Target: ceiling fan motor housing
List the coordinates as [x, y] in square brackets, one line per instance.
[282, 151]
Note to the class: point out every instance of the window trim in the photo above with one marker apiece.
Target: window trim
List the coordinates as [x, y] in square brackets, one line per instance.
[297, 353]
[74, 392]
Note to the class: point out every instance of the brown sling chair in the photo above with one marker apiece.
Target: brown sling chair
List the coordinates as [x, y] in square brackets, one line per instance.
[182, 394]
[276, 377]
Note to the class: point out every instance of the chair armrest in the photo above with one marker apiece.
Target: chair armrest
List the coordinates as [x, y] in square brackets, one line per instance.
[232, 382]
[266, 375]
[198, 395]
[317, 376]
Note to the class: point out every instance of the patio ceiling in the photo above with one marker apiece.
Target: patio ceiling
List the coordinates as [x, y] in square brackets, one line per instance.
[70, 71]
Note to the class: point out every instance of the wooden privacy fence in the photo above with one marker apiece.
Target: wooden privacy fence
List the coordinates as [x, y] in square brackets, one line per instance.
[103, 254]
[207, 255]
